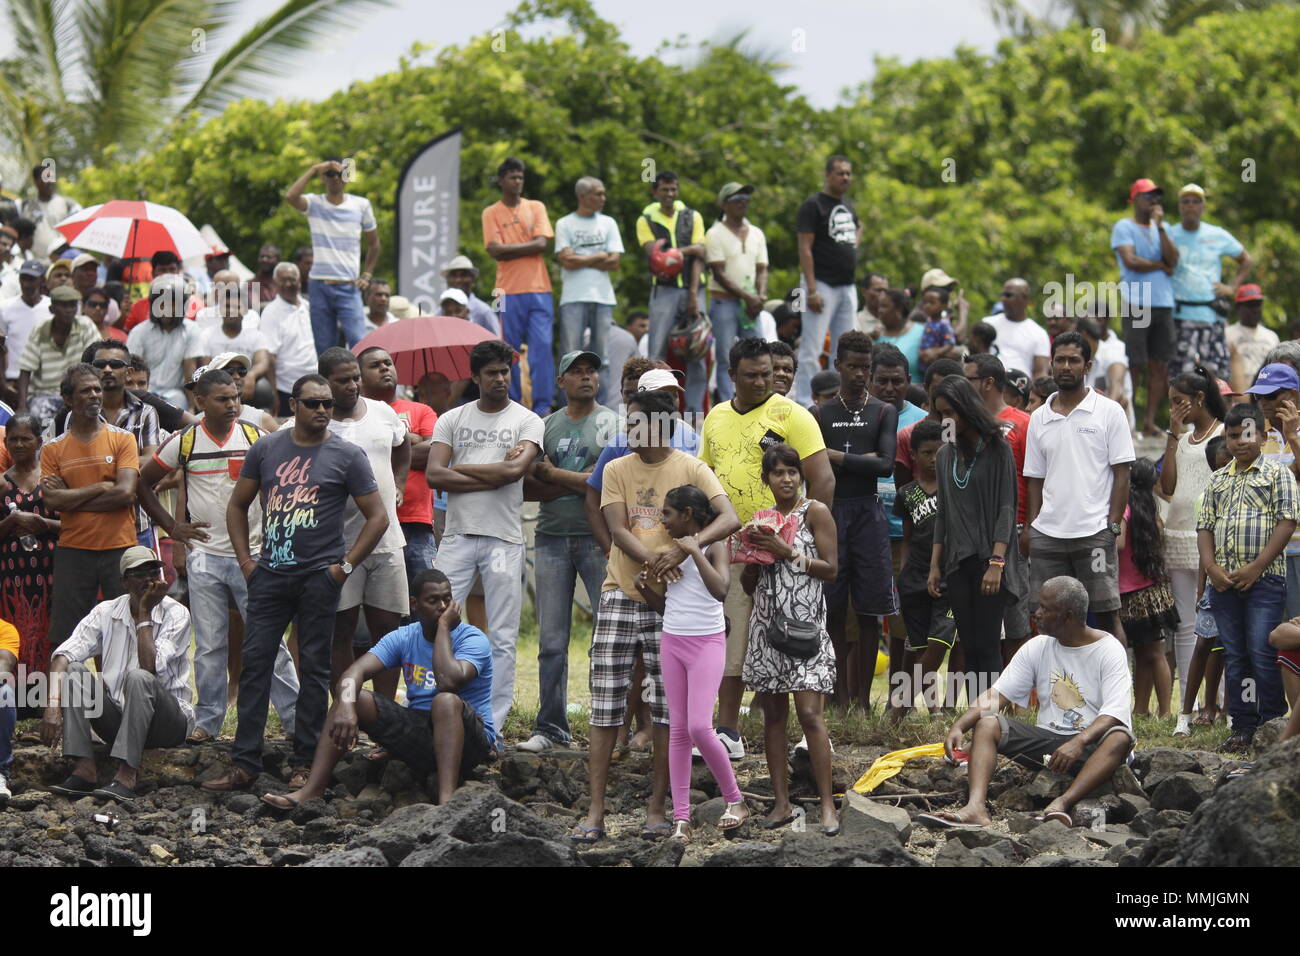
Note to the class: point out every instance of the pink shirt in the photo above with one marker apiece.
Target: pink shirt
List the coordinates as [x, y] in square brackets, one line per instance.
[1130, 578]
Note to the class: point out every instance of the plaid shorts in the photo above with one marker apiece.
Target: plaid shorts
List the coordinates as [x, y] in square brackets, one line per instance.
[623, 627]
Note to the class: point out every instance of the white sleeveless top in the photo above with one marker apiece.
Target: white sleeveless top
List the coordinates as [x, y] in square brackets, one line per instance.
[689, 608]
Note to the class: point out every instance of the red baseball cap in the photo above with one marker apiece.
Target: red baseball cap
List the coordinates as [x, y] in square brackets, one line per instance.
[1250, 293]
[1140, 186]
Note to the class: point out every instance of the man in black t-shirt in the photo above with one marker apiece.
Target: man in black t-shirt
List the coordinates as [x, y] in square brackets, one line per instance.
[829, 233]
[858, 431]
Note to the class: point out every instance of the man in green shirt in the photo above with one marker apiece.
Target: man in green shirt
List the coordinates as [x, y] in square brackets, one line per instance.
[564, 545]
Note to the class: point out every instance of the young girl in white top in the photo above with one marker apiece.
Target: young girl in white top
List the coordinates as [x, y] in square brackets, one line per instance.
[693, 653]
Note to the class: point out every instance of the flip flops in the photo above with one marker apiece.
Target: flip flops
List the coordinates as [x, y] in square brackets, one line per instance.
[1058, 815]
[582, 834]
[777, 824]
[941, 821]
[656, 831]
[280, 801]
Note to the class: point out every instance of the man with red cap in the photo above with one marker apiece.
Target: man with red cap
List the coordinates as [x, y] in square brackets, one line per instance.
[1146, 256]
[1248, 340]
[1200, 297]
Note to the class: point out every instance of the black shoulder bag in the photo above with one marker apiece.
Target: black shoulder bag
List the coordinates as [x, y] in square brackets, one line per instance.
[798, 639]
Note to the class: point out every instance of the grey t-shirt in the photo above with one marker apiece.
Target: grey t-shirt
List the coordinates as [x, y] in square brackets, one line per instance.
[478, 438]
[304, 491]
[573, 446]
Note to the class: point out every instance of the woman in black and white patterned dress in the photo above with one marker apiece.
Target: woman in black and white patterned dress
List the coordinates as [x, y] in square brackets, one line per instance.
[793, 586]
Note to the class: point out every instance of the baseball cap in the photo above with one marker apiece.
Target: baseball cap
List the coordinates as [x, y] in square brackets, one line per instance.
[1141, 186]
[1250, 293]
[731, 189]
[194, 379]
[658, 378]
[137, 556]
[216, 250]
[571, 357]
[84, 259]
[456, 296]
[32, 267]
[1020, 381]
[56, 265]
[937, 277]
[824, 381]
[65, 293]
[1191, 189]
[228, 358]
[460, 262]
[1273, 377]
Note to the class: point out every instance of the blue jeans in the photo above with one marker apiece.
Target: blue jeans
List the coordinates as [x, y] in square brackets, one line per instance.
[730, 322]
[332, 307]
[8, 721]
[839, 314]
[215, 581]
[530, 316]
[1244, 619]
[576, 318]
[420, 549]
[274, 599]
[664, 302]
[559, 563]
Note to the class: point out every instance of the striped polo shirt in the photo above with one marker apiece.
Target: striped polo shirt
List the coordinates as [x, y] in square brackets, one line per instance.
[46, 361]
[336, 235]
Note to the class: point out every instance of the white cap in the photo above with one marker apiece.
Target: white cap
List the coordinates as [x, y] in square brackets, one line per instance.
[658, 378]
[456, 296]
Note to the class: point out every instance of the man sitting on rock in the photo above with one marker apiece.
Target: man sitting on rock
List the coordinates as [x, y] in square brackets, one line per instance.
[447, 723]
[1084, 723]
[140, 694]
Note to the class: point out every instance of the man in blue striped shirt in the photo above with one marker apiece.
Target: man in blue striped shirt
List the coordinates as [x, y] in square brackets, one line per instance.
[338, 221]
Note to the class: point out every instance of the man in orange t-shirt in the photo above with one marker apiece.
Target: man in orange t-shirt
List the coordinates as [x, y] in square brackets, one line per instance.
[88, 475]
[515, 231]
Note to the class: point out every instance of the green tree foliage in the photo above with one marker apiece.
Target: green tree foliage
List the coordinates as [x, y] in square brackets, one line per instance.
[989, 166]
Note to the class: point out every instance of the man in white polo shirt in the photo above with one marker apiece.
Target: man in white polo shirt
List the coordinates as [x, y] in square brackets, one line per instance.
[1077, 459]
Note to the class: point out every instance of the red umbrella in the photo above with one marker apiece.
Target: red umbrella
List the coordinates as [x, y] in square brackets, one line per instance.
[427, 343]
[131, 229]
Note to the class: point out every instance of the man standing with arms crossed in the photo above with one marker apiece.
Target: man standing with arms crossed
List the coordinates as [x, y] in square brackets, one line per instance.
[829, 234]
[588, 246]
[305, 476]
[338, 221]
[515, 231]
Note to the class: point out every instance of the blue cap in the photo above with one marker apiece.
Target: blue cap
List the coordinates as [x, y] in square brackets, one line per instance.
[1274, 377]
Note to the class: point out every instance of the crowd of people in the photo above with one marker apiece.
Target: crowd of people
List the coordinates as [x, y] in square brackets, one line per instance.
[757, 495]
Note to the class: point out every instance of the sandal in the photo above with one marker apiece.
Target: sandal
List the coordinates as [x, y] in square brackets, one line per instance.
[681, 832]
[945, 820]
[1204, 720]
[200, 736]
[281, 801]
[730, 819]
[656, 831]
[1060, 816]
[298, 777]
[584, 834]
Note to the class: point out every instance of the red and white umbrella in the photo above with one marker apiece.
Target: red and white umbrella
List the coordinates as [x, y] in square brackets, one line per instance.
[133, 229]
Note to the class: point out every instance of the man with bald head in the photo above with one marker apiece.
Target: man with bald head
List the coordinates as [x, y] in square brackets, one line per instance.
[1085, 726]
[1022, 343]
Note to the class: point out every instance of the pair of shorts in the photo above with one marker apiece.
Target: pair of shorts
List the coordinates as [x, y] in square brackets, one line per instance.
[379, 581]
[1148, 615]
[408, 735]
[1150, 337]
[1290, 660]
[927, 619]
[624, 627]
[1027, 744]
[862, 536]
[1092, 560]
[1015, 578]
[1206, 628]
[1199, 343]
[738, 607]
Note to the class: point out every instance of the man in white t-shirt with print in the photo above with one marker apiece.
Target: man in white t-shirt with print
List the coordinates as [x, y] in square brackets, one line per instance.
[589, 248]
[210, 455]
[1077, 458]
[1022, 342]
[338, 222]
[379, 582]
[1085, 724]
[479, 456]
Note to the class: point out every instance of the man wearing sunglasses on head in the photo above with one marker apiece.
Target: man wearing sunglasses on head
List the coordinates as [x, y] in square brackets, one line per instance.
[338, 222]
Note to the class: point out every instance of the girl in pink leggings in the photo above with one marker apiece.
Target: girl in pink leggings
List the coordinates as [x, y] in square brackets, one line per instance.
[692, 654]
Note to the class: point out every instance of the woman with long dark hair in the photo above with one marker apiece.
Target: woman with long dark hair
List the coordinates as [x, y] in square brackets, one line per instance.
[975, 527]
[1146, 603]
[1196, 412]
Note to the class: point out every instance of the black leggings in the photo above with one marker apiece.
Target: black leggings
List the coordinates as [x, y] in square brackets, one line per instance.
[979, 624]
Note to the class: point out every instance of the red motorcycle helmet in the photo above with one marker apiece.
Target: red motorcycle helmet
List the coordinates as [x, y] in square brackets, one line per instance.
[666, 263]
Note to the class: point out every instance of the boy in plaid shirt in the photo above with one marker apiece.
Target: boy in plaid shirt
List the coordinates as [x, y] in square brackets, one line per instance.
[1247, 516]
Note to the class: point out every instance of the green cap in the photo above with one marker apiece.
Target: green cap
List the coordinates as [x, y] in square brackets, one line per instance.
[571, 357]
[729, 190]
[64, 293]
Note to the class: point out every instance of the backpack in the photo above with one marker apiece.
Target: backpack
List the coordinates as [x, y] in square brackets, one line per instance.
[186, 439]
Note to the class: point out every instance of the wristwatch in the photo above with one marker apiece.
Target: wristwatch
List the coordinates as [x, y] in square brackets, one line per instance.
[347, 565]
[1115, 528]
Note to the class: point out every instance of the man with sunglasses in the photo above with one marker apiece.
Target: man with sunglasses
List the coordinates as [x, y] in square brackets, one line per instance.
[1147, 256]
[305, 476]
[1022, 342]
[736, 251]
[338, 222]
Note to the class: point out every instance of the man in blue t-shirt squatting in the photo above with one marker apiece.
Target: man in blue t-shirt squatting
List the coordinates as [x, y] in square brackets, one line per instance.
[447, 722]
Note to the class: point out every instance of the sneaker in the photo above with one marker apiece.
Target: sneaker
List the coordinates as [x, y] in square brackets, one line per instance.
[1183, 727]
[803, 744]
[4, 789]
[732, 741]
[536, 744]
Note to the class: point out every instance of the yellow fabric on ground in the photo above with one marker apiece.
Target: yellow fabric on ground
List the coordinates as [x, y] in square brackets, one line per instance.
[891, 763]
